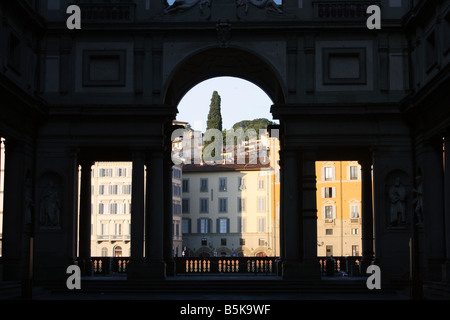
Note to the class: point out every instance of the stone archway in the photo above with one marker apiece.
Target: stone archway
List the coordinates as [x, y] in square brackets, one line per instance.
[213, 62]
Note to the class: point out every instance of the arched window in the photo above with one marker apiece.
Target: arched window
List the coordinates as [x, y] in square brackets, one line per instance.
[118, 251]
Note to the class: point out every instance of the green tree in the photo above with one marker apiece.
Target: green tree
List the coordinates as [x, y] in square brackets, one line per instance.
[214, 121]
[214, 116]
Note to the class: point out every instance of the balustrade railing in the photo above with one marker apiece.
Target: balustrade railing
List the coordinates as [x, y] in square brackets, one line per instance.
[191, 265]
[342, 10]
[109, 265]
[340, 265]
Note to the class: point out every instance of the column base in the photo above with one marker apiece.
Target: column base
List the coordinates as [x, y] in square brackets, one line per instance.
[143, 270]
[296, 270]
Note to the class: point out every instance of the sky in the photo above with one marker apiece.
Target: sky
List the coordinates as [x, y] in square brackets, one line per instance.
[240, 100]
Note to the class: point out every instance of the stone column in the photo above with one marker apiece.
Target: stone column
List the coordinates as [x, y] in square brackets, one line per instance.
[135, 269]
[14, 246]
[168, 216]
[366, 214]
[84, 240]
[155, 216]
[290, 215]
[309, 213]
[433, 207]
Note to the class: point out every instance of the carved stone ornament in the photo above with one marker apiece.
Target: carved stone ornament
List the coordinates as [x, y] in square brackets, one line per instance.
[184, 5]
[223, 34]
[268, 5]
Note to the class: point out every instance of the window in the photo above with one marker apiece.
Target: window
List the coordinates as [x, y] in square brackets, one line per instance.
[328, 232]
[203, 185]
[101, 189]
[261, 242]
[242, 241]
[185, 206]
[354, 211]
[223, 203]
[223, 241]
[355, 231]
[103, 229]
[223, 225]
[121, 172]
[118, 229]
[126, 189]
[104, 252]
[261, 204]
[328, 173]
[260, 183]
[222, 184]
[113, 208]
[176, 173]
[185, 185]
[329, 212]
[203, 205]
[113, 189]
[353, 173]
[105, 172]
[176, 189]
[101, 208]
[241, 204]
[355, 250]
[329, 192]
[204, 225]
[241, 224]
[261, 224]
[204, 242]
[186, 225]
[329, 251]
[176, 207]
[241, 184]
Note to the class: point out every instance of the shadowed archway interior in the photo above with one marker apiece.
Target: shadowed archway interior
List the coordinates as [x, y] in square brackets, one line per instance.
[223, 62]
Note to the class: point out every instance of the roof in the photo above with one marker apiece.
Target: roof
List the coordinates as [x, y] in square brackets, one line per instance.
[225, 167]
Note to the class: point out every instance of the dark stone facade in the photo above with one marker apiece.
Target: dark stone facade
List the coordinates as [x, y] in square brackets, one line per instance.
[109, 91]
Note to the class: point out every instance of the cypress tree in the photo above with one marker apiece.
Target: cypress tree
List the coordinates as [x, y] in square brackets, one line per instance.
[214, 121]
[214, 115]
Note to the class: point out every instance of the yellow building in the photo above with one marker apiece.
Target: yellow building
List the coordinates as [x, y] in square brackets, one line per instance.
[338, 208]
[232, 209]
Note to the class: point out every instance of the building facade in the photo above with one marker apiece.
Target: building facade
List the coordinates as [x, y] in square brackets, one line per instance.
[338, 208]
[228, 211]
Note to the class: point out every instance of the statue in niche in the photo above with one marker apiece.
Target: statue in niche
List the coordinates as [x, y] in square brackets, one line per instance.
[183, 5]
[50, 207]
[397, 195]
[417, 199]
[269, 5]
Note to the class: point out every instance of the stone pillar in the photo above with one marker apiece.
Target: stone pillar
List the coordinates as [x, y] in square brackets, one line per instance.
[136, 268]
[366, 214]
[84, 240]
[168, 216]
[309, 214]
[292, 232]
[433, 207]
[446, 271]
[15, 245]
[155, 216]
